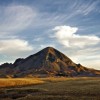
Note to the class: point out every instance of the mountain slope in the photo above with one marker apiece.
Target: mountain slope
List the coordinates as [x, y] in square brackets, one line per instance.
[48, 62]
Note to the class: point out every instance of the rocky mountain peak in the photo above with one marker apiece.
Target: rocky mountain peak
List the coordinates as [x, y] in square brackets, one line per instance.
[48, 62]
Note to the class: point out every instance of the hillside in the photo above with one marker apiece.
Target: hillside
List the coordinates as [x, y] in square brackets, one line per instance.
[47, 62]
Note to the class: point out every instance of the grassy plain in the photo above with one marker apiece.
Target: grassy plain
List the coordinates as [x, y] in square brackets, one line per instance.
[13, 82]
[60, 88]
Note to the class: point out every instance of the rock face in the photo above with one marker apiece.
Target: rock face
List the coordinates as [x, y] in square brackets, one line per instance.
[6, 69]
[47, 62]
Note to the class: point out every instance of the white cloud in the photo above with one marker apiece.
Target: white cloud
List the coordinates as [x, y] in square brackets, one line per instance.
[14, 18]
[67, 36]
[88, 8]
[82, 49]
[15, 47]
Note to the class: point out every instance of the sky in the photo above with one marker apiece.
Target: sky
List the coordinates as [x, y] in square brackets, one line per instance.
[71, 26]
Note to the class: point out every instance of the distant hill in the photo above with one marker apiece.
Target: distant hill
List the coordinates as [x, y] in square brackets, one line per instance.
[47, 62]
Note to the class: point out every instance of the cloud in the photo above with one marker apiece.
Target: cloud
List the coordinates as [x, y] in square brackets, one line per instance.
[14, 18]
[66, 35]
[90, 7]
[82, 49]
[85, 8]
[15, 47]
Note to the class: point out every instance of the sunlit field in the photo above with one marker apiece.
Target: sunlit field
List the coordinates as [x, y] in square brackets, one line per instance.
[13, 82]
[51, 88]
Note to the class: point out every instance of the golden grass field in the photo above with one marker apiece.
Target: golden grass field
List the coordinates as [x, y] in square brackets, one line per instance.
[51, 88]
[9, 82]
[13, 82]
[4, 82]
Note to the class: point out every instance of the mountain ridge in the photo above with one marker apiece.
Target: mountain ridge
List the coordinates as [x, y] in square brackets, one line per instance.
[46, 62]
